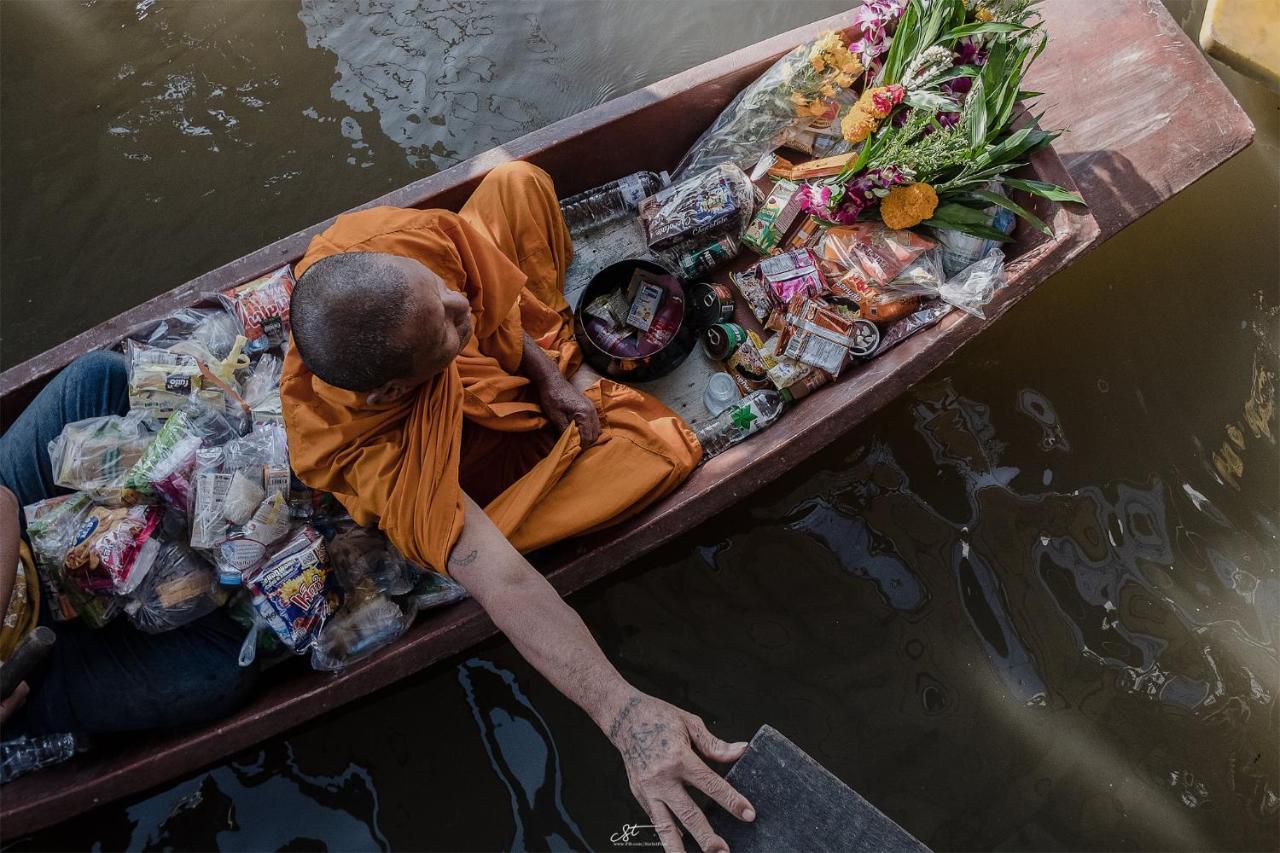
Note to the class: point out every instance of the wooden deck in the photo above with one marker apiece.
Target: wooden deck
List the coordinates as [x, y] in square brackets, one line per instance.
[1147, 115]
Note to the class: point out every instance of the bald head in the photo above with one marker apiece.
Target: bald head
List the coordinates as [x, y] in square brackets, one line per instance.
[364, 320]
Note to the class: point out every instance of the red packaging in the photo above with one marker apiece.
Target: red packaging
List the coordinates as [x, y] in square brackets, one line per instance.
[866, 254]
[262, 307]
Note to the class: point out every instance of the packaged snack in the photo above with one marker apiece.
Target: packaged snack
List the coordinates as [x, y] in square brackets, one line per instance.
[759, 297]
[716, 202]
[360, 627]
[747, 367]
[180, 588]
[164, 471]
[263, 455]
[783, 372]
[666, 322]
[644, 307]
[262, 307]
[209, 526]
[52, 526]
[248, 545]
[114, 549]
[95, 455]
[296, 589]
[262, 390]
[599, 308]
[793, 273]
[866, 254]
[906, 327]
[160, 381]
[775, 218]
[807, 235]
[695, 262]
[816, 333]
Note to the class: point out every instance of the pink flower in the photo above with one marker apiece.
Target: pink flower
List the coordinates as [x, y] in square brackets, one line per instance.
[885, 100]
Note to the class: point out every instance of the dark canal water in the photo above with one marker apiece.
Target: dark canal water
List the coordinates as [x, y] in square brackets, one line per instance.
[1034, 604]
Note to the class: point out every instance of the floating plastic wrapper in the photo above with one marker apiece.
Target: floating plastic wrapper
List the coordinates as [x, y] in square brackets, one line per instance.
[262, 307]
[52, 526]
[164, 471]
[713, 204]
[114, 549]
[970, 290]
[95, 455]
[179, 589]
[295, 591]
[787, 98]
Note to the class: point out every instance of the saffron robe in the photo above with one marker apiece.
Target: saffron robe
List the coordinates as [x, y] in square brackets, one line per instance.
[477, 426]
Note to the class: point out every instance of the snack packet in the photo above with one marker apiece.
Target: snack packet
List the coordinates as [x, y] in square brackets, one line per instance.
[917, 321]
[164, 471]
[360, 627]
[114, 549]
[791, 273]
[756, 293]
[248, 545]
[262, 307]
[716, 202]
[296, 590]
[95, 455]
[817, 334]
[783, 372]
[866, 254]
[179, 589]
[52, 526]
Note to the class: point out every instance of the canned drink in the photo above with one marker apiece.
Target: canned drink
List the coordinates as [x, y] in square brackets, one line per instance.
[712, 303]
[865, 338]
[695, 263]
[722, 339]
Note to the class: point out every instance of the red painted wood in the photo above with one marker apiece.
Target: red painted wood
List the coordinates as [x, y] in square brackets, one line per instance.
[1148, 117]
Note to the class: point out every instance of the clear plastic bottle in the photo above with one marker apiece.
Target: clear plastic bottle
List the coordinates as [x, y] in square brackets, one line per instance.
[23, 754]
[595, 208]
[744, 418]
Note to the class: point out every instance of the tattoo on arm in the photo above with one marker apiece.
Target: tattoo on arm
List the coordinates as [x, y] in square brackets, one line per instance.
[457, 561]
[638, 742]
[622, 717]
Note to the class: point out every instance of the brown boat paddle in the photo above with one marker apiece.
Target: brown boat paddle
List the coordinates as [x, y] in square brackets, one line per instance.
[31, 652]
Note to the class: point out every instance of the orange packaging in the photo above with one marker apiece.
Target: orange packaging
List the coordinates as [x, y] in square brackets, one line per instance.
[866, 254]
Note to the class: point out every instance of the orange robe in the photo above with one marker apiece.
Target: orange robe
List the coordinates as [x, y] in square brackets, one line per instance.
[477, 427]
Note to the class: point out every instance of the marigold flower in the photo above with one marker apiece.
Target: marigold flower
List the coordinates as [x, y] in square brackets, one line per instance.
[983, 14]
[858, 124]
[906, 207]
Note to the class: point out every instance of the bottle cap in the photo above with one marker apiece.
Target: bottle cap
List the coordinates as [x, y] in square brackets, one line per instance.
[722, 392]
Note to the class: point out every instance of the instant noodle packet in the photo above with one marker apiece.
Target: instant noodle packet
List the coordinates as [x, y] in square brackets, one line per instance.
[296, 590]
[262, 307]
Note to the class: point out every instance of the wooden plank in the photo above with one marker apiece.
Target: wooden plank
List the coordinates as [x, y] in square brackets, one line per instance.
[800, 805]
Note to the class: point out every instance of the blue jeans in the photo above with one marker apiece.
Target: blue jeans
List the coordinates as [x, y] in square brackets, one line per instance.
[115, 679]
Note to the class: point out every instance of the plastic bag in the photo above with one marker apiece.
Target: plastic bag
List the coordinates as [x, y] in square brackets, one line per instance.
[162, 381]
[263, 455]
[717, 202]
[970, 290]
[805, 88]
[95, 455]
[262, 390]
[164, 471]
[262, 307]
[247, 545]
[113, 549]
[960, 250]
[866, 255]
[52, 526]
[213, 328]
[180, 588]
[361, 626]
[296, 590]
[365, 560]
[435, 590]
[916, 321]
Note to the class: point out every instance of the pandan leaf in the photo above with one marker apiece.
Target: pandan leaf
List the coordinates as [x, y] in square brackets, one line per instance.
[984, 231]
[1053, 192]
[1002, 201]
[982, 29]
[931, 101]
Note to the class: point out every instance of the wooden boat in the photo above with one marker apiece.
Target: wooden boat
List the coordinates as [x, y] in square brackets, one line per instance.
[1109, 68]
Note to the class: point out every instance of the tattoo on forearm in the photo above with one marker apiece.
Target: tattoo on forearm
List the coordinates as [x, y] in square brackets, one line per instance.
[457, 562]
[622, 717]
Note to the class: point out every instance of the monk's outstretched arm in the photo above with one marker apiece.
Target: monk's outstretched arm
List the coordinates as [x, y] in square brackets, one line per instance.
[659, 742]
[561, 401]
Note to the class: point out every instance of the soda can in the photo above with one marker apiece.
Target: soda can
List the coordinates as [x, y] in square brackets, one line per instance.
[865, 338]
[712, 303]
[722, 339]
[695, 263]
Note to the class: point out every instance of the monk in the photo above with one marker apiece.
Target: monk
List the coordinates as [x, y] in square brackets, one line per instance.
[434, 387]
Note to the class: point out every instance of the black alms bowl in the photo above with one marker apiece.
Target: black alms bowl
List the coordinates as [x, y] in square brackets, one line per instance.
[645, 368]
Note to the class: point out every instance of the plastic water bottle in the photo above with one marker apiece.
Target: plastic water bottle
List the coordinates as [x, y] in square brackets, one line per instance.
[23, 754]
[744, 418]
[598, 207]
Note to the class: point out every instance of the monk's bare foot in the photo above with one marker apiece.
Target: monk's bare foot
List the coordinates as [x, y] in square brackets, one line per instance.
[585, 378]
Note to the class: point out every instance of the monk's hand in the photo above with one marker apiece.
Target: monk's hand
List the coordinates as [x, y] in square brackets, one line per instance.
[660, 746]
[563, 404]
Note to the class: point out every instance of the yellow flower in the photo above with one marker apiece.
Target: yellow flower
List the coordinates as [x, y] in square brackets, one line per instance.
[983, 14]
[908, 206]
[858, 124]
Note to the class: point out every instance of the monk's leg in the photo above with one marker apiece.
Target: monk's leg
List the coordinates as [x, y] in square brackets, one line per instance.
[516, 206]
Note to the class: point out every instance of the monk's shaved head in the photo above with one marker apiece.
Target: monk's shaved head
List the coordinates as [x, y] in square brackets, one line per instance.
[362, 320]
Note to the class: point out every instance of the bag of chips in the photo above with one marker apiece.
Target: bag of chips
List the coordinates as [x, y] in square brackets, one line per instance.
[95, 455]
[262, 307]
[179, 589]
[114, 549]
[295, 591]
[52, 526]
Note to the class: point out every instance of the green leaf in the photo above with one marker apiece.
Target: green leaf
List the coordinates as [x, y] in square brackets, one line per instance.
[976, 110]
[951, 211]
[1053, 192]
[957, 71]
[1024, 95]
[984, 231]
[1002, 201]
[932, 101]
[981, 29]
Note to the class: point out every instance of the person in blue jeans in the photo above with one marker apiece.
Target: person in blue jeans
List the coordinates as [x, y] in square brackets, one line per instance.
[116, 678]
